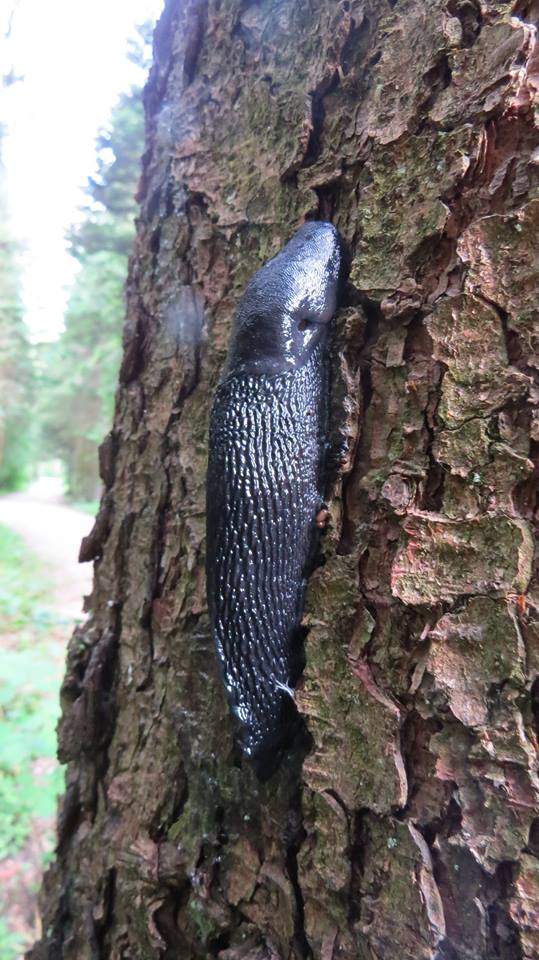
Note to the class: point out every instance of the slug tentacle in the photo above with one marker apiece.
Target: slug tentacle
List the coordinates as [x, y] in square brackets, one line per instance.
[266, 481]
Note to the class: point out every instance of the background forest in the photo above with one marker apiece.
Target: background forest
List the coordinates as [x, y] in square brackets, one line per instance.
[56, 405]
[57, 397]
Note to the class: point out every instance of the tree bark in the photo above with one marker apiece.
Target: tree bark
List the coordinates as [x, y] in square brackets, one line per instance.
[411, 829]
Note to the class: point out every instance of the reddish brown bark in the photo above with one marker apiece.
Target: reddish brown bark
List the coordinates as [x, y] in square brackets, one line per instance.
[411, 830]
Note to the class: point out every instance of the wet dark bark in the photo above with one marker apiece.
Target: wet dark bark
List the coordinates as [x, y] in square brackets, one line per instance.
[411, 828]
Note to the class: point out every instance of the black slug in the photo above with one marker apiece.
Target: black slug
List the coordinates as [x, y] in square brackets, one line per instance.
[266, 481]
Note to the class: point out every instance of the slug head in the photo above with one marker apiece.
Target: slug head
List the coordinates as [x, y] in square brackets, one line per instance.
[287, 306]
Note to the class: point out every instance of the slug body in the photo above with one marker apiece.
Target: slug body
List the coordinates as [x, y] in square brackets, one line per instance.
[266, 481]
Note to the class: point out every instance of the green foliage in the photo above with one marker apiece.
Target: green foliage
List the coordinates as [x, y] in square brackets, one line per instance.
[30, 670]
[11, 944]
[23, 588]
[108, 225]
[78, 373]
[29, 710]
[16, 376]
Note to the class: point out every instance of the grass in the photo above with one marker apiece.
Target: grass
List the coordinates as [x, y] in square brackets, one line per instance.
[30, 673]
[23, 587]
[11, 944]
[31, 665]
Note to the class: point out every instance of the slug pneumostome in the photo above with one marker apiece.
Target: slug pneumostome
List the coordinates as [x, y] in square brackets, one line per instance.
[266, 481]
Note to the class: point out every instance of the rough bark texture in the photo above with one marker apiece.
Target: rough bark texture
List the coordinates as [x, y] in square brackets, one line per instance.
[411, 829]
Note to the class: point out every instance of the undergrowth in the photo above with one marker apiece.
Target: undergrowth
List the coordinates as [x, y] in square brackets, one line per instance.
[32, 645]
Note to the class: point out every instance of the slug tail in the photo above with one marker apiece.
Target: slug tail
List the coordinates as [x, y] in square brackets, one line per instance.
[270, 734]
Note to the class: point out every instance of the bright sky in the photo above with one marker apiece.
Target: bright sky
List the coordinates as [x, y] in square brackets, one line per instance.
[72, 55]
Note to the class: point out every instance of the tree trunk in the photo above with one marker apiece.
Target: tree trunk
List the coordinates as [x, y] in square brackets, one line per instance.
[410, 831]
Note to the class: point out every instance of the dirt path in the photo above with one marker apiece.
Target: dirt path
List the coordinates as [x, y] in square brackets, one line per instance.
[53, 532]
